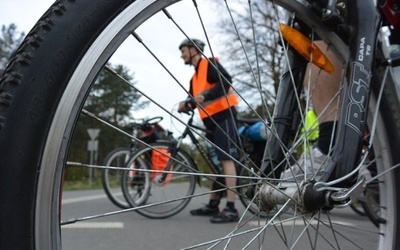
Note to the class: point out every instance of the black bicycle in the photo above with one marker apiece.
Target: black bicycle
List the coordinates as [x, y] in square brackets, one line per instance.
[46, 84]
[164, 172]
[148, 131]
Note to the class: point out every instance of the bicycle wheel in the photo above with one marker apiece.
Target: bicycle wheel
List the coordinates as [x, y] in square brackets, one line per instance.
[371, 204]
[370, 201]
[164, 198]
[135, 183]
[243, 184]
[357, 207]
[45, 87]
[111, 179]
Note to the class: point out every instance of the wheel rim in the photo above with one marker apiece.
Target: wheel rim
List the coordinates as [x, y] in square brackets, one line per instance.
[112, 178]
[68, 111]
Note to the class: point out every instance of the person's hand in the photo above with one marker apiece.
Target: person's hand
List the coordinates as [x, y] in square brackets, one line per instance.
[182, 107]
[199, 99]
[187, 106]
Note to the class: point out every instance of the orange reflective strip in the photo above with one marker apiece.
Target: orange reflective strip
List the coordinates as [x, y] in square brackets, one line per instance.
[200, 84]
[220, 104]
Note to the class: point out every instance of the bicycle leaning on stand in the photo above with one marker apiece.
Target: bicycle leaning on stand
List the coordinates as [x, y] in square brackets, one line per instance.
[147, 131]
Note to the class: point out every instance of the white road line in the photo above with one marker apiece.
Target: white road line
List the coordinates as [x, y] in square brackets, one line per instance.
[84, 198]
[95, 225]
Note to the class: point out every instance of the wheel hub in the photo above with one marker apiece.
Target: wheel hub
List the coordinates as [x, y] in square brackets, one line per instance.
[302, 197]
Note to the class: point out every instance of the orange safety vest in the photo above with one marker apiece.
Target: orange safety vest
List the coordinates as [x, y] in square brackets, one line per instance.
[200, 85]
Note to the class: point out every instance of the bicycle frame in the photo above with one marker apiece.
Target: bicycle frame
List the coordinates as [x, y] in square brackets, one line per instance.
[356, 94]
[188, 132]
[355, 99]
[345, 158]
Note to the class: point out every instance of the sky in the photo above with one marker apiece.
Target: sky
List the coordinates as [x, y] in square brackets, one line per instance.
[24, 13]
[151, 77]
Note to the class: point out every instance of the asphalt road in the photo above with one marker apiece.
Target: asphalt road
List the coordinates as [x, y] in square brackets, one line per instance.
[133, 231]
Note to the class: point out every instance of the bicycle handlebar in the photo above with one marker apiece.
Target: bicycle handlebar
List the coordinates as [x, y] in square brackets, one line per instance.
[147, 122]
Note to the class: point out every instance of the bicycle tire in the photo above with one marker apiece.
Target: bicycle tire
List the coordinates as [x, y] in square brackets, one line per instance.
[32, 167]
[370, 204]
[375, 191]
[162, 199]
[111, 179]
[358, 207]
[136, 183]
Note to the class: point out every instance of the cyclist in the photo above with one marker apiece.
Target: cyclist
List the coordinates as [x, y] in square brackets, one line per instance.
[210, 89]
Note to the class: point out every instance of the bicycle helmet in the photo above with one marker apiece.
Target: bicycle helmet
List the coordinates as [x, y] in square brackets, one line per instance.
[193, 43]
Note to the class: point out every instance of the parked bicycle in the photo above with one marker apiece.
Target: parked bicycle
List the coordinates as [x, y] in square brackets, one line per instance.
[147, 131]
[163, 172]
[46, 84]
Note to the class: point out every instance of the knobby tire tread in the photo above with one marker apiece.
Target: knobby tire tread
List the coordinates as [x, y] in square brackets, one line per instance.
[30, 76]
[29, 95]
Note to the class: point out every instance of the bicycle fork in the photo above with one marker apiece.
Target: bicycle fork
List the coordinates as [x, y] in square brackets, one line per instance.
[341, 168]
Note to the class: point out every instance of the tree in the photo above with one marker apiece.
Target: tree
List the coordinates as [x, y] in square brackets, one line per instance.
[10, 39]
[251, 42]
[114, 101]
